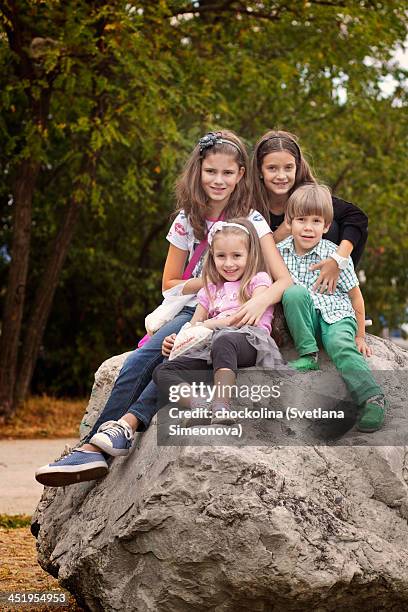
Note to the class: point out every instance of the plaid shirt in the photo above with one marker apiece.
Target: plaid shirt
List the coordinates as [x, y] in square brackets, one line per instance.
[332, 307]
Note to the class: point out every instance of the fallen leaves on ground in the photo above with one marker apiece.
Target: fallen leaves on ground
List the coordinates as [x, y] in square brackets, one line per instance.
[20, 572]
[45, 417]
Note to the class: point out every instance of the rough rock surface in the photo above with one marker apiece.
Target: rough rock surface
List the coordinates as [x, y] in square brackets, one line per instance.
[228, 528]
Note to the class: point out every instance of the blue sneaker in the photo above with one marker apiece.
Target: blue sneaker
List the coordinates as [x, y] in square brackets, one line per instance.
[114, 438]
[77, 466]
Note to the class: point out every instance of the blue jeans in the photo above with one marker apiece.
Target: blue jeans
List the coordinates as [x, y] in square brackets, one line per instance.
[134, 391]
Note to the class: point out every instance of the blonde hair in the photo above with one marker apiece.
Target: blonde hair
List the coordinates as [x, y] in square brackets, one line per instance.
[271, 142]
[311, 199]
[190, 194]
[255, 262]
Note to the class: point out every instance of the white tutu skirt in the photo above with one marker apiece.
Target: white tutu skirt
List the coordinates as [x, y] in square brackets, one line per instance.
[268, 354]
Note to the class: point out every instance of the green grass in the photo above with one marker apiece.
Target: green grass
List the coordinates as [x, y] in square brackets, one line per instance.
[14, 521]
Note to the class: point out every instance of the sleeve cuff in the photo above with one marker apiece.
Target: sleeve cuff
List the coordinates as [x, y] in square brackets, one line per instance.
[262, 279]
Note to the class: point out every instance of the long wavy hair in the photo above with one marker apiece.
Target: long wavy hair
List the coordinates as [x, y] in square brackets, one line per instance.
[271, 142]
[191, 196]
[255, 262]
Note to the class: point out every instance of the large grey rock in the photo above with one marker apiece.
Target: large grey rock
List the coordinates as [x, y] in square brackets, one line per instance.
[228, 528]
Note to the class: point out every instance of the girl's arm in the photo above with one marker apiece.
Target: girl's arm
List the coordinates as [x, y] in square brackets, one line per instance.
[201, 314]
[173, 271]
[213, 323]
[353, 226]
[329, 270]
[259, 290]
[282, 232]
[352, 221]
[357, 302]
[251, 312]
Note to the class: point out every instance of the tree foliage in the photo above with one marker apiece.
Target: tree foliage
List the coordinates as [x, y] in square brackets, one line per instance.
[101, 102]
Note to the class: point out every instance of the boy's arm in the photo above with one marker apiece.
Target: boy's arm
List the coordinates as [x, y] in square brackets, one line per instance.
[357, 302]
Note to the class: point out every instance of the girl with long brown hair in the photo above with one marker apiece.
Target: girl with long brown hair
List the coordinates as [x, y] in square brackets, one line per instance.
[214, 185]
[278, 169]
[234, 271]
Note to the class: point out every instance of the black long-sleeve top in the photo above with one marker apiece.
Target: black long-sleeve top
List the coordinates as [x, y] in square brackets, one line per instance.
[349, 223]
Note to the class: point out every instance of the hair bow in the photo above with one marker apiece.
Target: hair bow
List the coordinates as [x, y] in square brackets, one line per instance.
[212, 138]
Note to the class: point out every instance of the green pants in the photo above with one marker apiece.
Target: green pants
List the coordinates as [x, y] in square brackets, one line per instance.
[306, 325]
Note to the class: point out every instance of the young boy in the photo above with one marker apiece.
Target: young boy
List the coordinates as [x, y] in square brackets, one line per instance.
[336, 318]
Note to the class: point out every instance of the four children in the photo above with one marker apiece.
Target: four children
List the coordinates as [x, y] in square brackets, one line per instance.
[324, 303]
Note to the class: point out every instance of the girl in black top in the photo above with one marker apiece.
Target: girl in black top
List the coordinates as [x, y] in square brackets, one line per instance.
[278, 169]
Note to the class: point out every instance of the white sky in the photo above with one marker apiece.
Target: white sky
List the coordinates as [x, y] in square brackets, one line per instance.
[402, 57]
[388, 83]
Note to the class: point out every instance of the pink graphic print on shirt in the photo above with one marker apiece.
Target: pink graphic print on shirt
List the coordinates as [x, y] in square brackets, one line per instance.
[180, 229]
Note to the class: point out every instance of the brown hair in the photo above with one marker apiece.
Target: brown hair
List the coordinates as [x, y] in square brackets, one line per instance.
[190, 194]
[310, 199]
[272, 141]
[255, 262]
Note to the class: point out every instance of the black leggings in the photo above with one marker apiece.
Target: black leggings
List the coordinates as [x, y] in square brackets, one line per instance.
[230, 350]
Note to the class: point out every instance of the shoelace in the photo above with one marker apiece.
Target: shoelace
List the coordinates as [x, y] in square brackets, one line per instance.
[116, 430]
[68, 450]
[378, 400]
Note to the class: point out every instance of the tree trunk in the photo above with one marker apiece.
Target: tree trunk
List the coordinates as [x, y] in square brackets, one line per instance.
[45, 293]
[26, 173]
[26, 177]
[42, 304]
[20, 39]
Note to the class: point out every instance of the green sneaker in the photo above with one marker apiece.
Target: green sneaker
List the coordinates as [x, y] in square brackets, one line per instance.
[305, 363]
[372, 414]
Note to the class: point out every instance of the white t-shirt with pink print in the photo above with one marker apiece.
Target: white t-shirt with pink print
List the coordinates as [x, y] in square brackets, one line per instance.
[181, 235]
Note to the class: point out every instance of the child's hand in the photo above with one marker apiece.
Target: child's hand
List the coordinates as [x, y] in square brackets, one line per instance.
[328, 277]
[363, 347]
[251, 312]
[167, 345]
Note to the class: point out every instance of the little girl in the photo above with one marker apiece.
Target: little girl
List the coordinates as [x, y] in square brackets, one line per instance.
[234, 271]
[213, 184]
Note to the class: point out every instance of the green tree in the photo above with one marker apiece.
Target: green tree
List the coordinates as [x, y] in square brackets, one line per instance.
[82, 79]
[102, 101]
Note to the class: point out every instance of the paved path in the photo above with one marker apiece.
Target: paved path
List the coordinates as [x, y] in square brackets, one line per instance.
[19, 459]
[401, 342]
